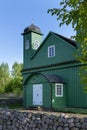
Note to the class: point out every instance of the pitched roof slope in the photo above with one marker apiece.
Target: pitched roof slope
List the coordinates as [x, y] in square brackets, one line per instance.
[70, 41]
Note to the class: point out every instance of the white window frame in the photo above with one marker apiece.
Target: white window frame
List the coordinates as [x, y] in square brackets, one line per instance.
[51, 51]
[59, 90]
[27, 44]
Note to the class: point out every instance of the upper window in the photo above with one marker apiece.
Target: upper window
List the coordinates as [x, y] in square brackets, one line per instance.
[59, 90]
[27, 44]
[51, 51]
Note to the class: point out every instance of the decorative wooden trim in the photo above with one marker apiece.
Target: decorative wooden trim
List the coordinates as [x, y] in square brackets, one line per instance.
[51, 65]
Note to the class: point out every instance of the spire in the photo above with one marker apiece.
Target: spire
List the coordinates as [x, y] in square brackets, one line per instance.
[32, 21]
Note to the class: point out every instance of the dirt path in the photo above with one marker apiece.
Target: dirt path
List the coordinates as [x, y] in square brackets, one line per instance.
[56, 113]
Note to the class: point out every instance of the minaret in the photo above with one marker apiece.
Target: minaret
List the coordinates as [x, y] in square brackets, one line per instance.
[32, 38]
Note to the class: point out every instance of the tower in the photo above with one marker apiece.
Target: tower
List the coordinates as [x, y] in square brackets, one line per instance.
[32, 38]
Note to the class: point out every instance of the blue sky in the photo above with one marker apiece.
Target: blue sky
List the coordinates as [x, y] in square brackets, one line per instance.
[15, 16]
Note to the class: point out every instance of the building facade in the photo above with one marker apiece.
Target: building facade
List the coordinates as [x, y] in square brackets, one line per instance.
[50, 71]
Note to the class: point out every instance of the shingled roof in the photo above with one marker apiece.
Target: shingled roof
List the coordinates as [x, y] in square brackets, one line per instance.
[33, 28]
[52, 78]
[72, 42]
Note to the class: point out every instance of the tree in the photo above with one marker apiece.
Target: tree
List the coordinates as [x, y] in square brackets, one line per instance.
[75, 12]
[4, 76]
[15, 82]
[16, 69]
[16, 73]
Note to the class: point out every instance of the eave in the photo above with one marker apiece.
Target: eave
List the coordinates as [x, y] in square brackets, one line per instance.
[64, 64]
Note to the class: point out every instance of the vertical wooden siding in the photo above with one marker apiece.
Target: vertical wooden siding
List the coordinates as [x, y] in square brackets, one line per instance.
[75, 96]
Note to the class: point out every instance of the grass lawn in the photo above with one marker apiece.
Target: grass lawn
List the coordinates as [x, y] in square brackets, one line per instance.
[13, 106]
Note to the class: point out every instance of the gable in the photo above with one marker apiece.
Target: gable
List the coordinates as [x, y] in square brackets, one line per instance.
[68, 40]
[64, 51]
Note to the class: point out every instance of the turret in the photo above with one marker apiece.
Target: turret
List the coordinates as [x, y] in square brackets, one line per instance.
[32, 38]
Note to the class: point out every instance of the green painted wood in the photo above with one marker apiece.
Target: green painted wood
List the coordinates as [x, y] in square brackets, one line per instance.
[58, 102]
[60, 56]
[46, 96]
[28, 96]
[74, 95]
[27, 53]
[35, 37]
[28, 91]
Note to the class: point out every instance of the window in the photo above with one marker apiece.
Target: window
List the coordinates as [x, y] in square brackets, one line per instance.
[59, 90]
[51, 51]
[27, 44]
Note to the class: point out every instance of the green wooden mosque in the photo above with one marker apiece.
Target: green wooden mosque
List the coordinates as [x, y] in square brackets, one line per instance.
[50, 71]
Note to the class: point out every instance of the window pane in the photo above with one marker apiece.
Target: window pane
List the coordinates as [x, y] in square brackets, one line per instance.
[27, 44]
[51, 51]
[59, 90]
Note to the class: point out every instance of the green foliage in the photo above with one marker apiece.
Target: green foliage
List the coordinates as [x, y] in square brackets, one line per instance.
[10, 86]
[13, 106]
[4, 76]
[74, 12]
[16, 68]
[71, 11]
[17, 76]
[11, 82]
[73, 110]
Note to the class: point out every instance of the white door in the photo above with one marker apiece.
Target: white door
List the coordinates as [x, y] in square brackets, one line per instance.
[37, 94]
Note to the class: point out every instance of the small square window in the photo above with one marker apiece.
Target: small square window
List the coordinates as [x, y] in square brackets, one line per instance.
[27, 44]
[59, 90]
[51, 51]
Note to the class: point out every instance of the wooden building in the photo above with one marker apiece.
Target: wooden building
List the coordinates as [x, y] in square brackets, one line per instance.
[51, 73]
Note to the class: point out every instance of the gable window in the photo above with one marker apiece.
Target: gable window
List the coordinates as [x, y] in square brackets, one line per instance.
[27, 44]
[51, 51]
[59, 90]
